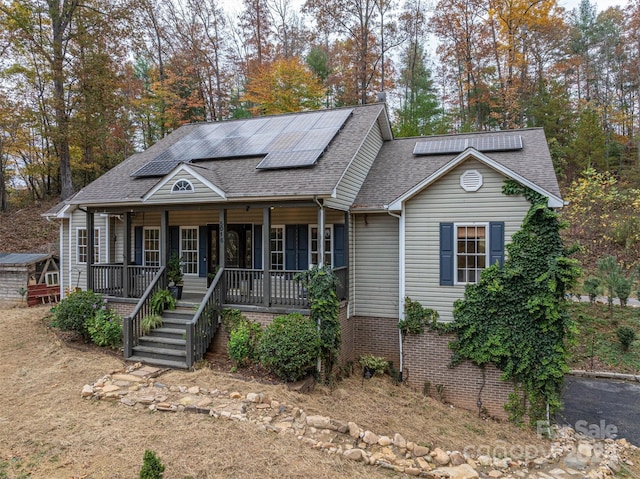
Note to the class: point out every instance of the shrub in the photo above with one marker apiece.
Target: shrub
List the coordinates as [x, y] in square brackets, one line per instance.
[289, 347]
[593, 287]
[73, 312]
[416, 318]
[626, 336]
[105, 328]
[150, 322]
[152, 468]
[243, 342]
[376, 364]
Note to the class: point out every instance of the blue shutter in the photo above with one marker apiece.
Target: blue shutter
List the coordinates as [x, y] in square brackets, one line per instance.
[174, 240]
[446, 254]
[137, 245]
[339, 246]
[303, 247]
[290, 240]
[257, 246]
[202, 251]
[496, 242]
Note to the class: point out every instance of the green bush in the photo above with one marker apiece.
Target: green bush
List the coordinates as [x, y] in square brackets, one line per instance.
[105, 328]
[243, 342]
[152, 468]
[626, 336]
[376, 364]
[73, 312]
[593, 287]
[289, 347]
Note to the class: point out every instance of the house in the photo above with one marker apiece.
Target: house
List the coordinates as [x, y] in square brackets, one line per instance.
[412, 217]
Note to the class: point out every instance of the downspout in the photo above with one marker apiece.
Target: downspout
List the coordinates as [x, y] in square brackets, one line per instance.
[400, 281]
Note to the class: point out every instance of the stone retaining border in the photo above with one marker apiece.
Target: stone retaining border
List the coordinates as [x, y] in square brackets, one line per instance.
[570, 455]
[604, 375]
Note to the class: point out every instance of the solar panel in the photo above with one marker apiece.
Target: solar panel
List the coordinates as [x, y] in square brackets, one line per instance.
[290, 159]
[458, 145]
[288, 141]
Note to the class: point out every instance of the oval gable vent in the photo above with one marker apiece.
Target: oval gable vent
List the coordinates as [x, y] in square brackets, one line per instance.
[471, 180]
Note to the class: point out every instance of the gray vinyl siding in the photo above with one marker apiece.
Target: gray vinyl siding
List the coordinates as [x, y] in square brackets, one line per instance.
[374, 261]
[65, 276]
[200, 193]
[446, 201]
[78, 273]
[351, 182]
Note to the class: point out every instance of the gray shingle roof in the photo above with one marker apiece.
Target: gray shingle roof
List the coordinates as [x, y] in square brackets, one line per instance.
[239, 177]
[397, 170]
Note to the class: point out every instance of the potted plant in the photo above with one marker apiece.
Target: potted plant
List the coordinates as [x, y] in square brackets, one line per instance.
[161, 300]
[372, 364]
[175, 276]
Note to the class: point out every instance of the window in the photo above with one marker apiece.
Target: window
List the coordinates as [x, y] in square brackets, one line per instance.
[151, 246]
[82, 242]
[328, 243]
[189, 249]
[467, 249]
[277, 248]
[52, 278]
[471, 252]
[182, 186]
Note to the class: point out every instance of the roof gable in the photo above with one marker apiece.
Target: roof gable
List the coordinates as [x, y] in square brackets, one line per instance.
[169, 189]
[396, 205]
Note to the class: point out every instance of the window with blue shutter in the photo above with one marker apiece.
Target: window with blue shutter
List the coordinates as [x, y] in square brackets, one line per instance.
[467, 249]
[137, 245]
[296, 251]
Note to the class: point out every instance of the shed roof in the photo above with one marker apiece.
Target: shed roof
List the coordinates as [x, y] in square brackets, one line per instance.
[22, 259]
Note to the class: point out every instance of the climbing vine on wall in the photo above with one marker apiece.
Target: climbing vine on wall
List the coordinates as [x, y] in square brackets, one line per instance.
[321, 284]
[515, 317]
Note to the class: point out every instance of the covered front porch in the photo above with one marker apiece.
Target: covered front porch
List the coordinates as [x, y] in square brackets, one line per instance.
[245, 257]
[141, 241]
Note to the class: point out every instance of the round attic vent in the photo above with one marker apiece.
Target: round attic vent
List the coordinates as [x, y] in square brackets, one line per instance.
[471, 180]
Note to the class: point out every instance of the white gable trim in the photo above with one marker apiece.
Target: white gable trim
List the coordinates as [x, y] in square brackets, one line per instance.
[397, 204]
[186, 168]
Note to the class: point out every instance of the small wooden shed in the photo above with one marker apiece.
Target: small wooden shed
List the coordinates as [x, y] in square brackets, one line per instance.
[32, 278]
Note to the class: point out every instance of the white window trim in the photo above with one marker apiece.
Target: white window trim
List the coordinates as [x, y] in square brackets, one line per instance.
[455, 249]
[96, 246]
[49, 278]
[327, 225]
[181, 191]
[284, 248]
[144, 243]
[197, 250]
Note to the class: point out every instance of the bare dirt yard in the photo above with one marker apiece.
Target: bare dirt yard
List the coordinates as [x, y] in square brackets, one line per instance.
[48, 431]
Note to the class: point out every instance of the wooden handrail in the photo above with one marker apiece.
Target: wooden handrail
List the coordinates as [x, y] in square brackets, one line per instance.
[202, 327]
[131, 325]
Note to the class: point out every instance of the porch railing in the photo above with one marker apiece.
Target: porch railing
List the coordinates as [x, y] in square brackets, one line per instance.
[132, 324]
[343, 285]
[109, 279]
[247, 286]
[203, 326]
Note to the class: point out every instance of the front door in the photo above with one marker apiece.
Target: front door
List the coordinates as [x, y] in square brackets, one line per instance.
[238, 247]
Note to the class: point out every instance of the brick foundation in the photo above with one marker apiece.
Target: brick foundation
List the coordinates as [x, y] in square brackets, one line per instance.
[427, 361]
[124, 307]
[377, 336]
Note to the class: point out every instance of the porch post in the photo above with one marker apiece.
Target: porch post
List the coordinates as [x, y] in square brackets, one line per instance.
[321, 235]
[222, 250]
[125, 254]
[164, 235]
[266, 256]
[90, 249]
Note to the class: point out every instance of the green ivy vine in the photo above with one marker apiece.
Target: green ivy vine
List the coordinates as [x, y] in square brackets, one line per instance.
[321, 284]
[515, 317]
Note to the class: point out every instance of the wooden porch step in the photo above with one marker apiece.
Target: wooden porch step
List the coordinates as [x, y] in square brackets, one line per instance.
[163, 342]
[153, 352]
[159, 362]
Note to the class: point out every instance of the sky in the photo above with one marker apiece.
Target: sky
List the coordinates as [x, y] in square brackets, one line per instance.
[601, 4]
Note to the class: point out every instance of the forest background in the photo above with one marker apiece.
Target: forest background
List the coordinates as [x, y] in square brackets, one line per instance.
[83, 85]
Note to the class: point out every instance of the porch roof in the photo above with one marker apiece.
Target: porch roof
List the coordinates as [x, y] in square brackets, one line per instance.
[397, 170]
[238, 177]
